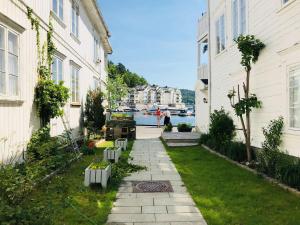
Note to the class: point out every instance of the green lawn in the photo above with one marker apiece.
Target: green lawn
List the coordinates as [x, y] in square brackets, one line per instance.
[229, 195]
[69, 202]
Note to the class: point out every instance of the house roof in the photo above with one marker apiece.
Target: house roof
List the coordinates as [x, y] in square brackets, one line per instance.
[97, 19]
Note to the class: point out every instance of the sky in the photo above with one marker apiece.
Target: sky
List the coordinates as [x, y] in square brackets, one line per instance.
[155, 38]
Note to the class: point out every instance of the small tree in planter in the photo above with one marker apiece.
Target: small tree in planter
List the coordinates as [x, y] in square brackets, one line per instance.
[250, 48]
[94, 118]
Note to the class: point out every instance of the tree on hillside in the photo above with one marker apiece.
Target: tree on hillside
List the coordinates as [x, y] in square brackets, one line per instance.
[131, 79]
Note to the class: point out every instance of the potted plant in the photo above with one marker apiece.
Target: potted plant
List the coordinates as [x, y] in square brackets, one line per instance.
[184, 127]
[97, 173]
[168, 128]
[121, 143]
[112, 153]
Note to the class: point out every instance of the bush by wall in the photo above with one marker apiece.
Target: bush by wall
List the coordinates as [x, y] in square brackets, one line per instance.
[168, 128]
[274, 162]
[221, 129]
[184, 127]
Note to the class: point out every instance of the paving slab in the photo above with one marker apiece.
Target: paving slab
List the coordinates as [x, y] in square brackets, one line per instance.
[160, 208]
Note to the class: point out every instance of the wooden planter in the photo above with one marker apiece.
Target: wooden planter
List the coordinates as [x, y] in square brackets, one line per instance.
[112, 154]
[97, 176]
[121, 143]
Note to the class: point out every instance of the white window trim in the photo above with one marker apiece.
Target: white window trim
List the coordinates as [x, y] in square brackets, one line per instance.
[56, 15]
[289, 68]
[77, 67]
[75, 6]
[225, 41]
[282, 6]
[63, 74]
[6, 97]
[239, 19]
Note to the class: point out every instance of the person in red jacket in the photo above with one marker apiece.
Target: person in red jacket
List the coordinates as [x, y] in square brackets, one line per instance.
[158, 116]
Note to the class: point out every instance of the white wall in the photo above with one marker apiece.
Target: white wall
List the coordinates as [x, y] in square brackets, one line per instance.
[279, 28]
[18, 117]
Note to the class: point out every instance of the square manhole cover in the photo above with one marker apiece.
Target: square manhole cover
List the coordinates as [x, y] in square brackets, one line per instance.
[151, 186]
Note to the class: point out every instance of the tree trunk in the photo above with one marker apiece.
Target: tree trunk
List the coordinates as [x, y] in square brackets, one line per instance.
[248, 129]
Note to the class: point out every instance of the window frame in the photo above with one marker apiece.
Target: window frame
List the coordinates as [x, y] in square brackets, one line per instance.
[218, 33]
[57, 11]
[96, 49]
[284, 3]
[6, 94]
[289, 70]
[236, 19]
[75, 8]
[75, 67]
[62, 69]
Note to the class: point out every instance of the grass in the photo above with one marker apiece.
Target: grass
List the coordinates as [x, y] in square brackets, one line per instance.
[229, 195]
[69, 202]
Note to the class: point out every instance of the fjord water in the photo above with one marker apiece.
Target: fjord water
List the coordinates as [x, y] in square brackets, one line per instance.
[144, 119]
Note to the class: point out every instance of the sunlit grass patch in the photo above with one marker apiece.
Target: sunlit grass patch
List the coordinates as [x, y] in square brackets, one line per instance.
[229, 195]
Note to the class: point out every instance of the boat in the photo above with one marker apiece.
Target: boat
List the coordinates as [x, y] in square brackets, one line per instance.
[183, 112]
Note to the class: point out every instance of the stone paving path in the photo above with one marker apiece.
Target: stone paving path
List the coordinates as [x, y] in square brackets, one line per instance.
[170, 208]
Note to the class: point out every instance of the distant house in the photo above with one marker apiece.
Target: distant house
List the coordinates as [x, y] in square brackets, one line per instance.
[81, 37]
[275, 77]
[153, 94]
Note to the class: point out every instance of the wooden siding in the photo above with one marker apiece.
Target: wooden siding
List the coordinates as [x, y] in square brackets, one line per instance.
[279, 28]
[18, 118]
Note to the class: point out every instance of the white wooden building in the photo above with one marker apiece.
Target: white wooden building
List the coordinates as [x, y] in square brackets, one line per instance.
[81, 38]
[275, 78]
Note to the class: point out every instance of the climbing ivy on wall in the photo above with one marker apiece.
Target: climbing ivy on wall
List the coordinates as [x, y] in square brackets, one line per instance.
[49, 97]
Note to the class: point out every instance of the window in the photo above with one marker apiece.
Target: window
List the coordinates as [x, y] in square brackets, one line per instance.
[285, 1]
[96, 83]
[9, 62]
[294, 95]
[220, 34]
[75, 84]
[58, 8]
[238, 18]
[96, 49]
[57, 70]
[75, 15]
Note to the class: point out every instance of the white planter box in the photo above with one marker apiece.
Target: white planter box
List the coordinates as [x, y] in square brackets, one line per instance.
[121, 143]
[112, 154]
[97, 176]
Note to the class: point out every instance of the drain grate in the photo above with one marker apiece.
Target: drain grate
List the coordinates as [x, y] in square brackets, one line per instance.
[151, 186]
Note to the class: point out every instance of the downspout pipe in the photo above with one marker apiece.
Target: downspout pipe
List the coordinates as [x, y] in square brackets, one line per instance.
[209, 56]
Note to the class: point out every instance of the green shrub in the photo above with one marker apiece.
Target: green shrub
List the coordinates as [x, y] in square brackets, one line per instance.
[290, 174]
[184, 127]
[236, 151]
[168, 128]
[94, 118]
[275, 163]
[221, 128]
[87, 151]
[204, 139]
[270, 156]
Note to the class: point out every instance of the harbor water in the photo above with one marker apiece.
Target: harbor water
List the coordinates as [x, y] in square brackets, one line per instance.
[145, 119]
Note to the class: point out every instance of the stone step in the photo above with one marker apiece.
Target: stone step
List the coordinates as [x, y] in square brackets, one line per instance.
[182, 144]
[182, 140]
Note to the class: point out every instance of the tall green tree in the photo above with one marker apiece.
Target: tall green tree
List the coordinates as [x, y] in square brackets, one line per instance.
[116, 90]
[94, 118]
[250, 48]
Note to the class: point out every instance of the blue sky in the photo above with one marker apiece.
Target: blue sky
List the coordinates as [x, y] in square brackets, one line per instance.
[155, 38]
